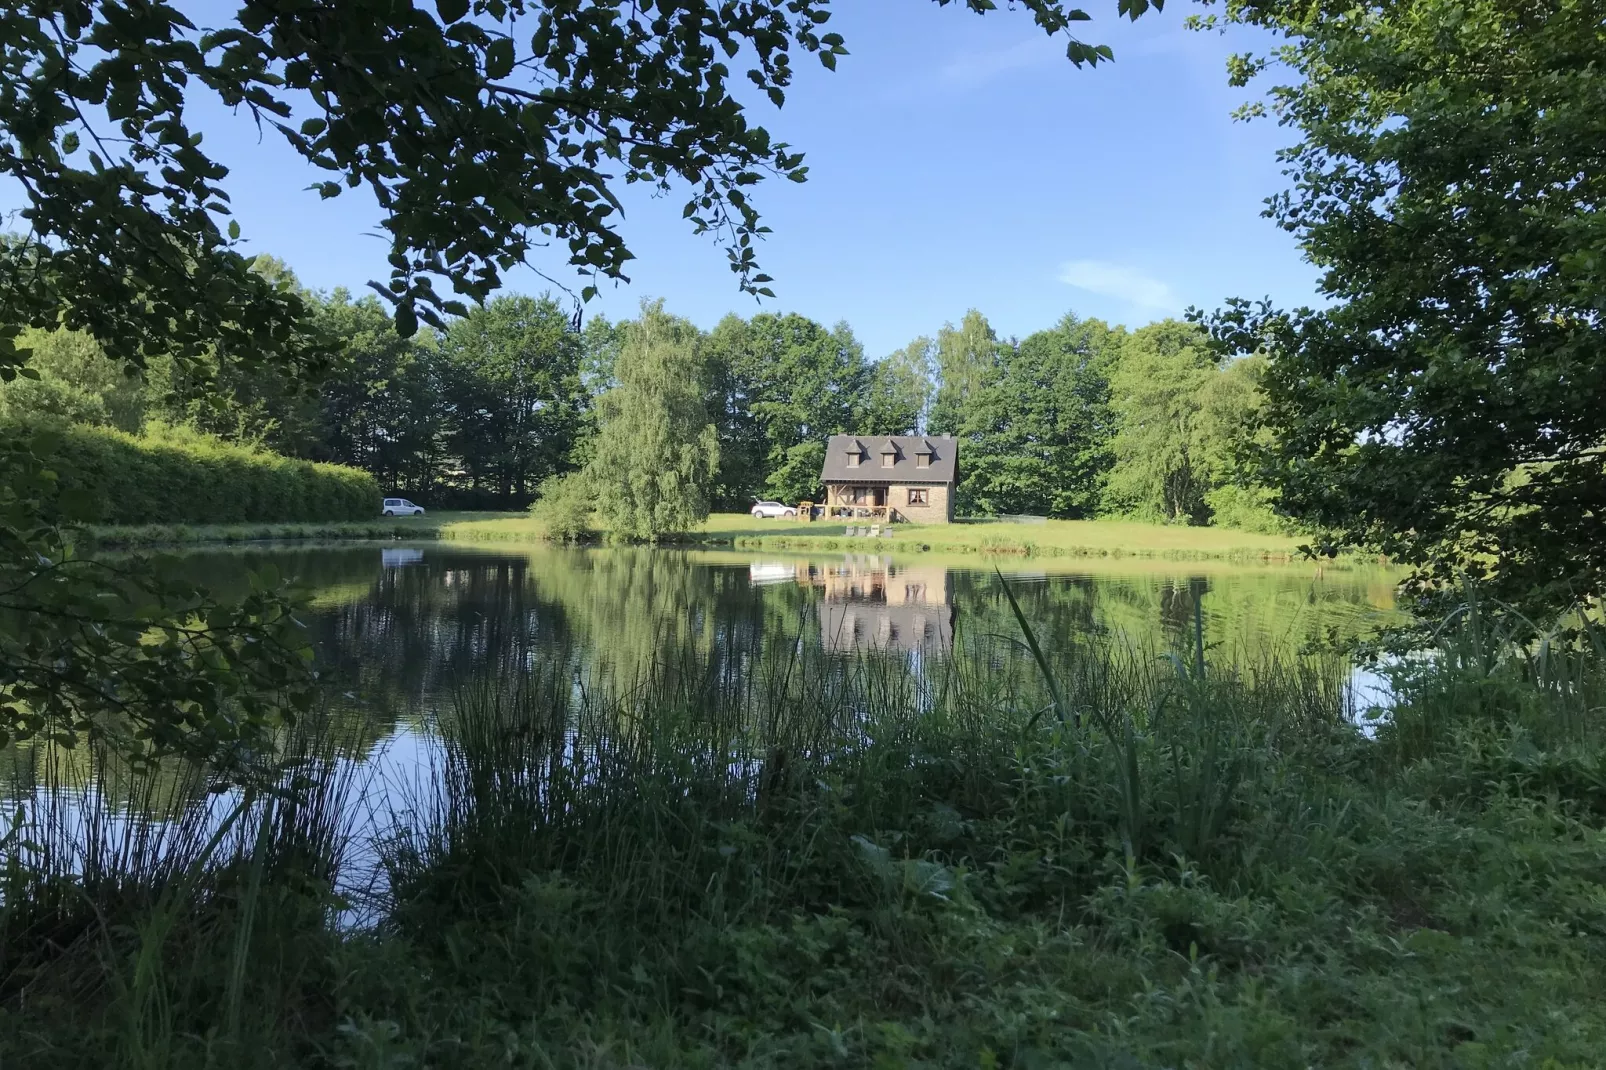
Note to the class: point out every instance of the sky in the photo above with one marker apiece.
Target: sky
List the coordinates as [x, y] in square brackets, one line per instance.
[956, 161]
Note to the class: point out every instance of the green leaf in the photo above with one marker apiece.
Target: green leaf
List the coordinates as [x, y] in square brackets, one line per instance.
[499, 58]
[451, 10]
[234, 230]
[406, 320]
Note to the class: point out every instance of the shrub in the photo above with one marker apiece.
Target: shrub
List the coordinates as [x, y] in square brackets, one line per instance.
[175, 475]
[565, 507]
[1246, 509]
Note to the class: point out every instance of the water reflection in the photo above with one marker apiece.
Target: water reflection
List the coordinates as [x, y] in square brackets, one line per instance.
[874, 603]
[398, 629]
[398, 558]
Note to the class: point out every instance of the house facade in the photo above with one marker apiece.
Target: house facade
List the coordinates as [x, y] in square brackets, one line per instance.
[873, 603]
[891, 477]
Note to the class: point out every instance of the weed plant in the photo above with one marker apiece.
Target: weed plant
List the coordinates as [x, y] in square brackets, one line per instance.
[1024, 855]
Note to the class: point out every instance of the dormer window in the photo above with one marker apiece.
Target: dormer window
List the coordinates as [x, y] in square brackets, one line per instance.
[922, 460]
[886, 460]
[853, 458]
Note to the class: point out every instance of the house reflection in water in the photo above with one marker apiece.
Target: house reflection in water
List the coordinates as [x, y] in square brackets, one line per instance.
[871, 603]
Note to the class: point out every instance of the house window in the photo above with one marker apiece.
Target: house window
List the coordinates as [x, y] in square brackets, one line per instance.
[922, 460]
[886, 460]
[853, 460]
[919, 496]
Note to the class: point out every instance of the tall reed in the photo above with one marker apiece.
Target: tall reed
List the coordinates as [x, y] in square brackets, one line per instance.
[163, 912]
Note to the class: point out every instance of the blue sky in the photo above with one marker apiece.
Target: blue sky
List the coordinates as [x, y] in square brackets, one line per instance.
[956, 161]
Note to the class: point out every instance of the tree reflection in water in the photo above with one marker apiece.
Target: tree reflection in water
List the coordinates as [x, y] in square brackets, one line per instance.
[399, 629]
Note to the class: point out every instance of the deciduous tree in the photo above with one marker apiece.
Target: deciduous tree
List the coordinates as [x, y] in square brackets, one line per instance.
[383, 405]
[967, 361]
[898, 398]
[1036, 438]
[512, 379]
[74, 381]
[1160, 472]
[799, 383]
[657, 450]
[1444, 405]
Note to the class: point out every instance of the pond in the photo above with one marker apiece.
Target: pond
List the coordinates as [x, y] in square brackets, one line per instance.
[406, 635]
[399, 628]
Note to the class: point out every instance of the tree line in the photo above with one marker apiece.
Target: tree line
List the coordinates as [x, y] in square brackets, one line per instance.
[1080, 419]
[1440, 403]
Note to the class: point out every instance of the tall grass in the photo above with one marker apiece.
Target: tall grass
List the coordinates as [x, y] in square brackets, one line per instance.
[141, 905]
[1031, 849]
[1485, 667]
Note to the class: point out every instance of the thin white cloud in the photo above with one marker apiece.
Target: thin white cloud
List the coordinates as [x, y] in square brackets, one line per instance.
[1118, 281]
[978, 68]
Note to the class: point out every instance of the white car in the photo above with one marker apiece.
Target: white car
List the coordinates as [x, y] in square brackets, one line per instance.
[771, 510]
[401, 507]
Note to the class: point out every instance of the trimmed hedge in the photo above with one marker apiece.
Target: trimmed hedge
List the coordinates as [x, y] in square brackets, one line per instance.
[171, 475]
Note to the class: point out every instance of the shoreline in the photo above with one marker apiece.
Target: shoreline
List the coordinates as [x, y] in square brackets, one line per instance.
[1106, 540]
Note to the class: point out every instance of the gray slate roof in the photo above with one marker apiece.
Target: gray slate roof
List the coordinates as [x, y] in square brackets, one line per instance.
[944, 452]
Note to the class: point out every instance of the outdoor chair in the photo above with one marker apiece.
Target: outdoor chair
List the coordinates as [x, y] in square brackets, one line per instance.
[875, 531]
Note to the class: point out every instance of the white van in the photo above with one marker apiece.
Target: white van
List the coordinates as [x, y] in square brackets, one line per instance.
[401, 507]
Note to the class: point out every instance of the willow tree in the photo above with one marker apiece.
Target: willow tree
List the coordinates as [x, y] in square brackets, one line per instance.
[657, 449]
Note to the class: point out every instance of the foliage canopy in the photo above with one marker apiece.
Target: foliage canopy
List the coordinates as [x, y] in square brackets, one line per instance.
[483, 130]
[1444, 406]
[657, 450]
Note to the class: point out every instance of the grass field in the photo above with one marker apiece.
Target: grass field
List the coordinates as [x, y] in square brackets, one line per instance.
[1077, 538]
[433, 526]
[1071, 538]
[1049, 538]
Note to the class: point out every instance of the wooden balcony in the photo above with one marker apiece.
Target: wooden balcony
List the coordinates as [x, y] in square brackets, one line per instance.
[858, 512]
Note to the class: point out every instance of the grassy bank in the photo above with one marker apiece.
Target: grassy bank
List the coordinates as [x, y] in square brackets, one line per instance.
[1048, 538]
[836, 863]
[1052, 538]
[433, 526]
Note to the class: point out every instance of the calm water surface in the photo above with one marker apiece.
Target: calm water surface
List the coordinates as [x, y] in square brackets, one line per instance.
[398, 627]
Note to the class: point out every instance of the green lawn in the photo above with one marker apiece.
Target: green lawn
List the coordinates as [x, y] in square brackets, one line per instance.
[1051, 538]
[1089, 538]
[432, 526]
[1068, 537]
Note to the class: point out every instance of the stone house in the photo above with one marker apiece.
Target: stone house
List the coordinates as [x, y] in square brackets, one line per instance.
[891, 477]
